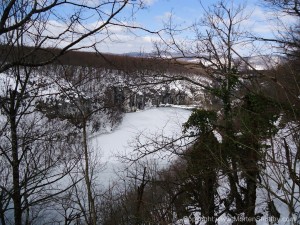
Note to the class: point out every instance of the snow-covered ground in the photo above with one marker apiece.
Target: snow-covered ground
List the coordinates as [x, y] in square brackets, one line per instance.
[167, 121]
[155, 121]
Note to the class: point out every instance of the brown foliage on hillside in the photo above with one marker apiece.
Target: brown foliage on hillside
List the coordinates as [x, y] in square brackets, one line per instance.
[89, 59]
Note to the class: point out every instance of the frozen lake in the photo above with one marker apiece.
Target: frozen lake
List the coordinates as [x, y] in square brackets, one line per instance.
[165, 121]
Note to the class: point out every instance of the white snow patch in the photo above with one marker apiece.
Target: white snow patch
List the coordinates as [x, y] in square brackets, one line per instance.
[218, 136]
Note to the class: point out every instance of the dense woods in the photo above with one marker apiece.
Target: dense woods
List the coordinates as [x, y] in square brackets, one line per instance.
[237, 161]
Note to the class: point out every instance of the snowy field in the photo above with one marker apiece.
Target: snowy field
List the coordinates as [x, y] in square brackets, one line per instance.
[155, 121]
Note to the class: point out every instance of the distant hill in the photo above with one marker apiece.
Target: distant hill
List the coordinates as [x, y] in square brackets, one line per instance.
[81, 58]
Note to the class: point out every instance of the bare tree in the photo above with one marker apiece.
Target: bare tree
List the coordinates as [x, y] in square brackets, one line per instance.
[216, 36]
[35, 34]
[32, 147]
[33, 23]
[246, 113]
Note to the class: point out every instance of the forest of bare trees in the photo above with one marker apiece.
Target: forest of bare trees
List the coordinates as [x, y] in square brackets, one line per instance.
[238, 157]
[251, 175]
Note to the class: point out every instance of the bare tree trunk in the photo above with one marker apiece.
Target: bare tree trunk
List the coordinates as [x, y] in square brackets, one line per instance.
[2, 218]
[140, 194]
[250, 201]
[15, 166]
[91, 201]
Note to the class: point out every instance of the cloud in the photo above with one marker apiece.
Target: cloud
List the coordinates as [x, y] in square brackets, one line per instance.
[141, 44]
[267, 22]
[164, 17]
[113, 39]
[169, 15]
[128, 42]
[149, 2]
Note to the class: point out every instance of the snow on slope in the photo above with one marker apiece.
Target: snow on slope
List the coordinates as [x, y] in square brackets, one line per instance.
[169, 121]
[146, 123]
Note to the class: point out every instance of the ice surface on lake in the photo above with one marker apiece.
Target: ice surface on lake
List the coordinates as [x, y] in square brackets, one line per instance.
[166, 121]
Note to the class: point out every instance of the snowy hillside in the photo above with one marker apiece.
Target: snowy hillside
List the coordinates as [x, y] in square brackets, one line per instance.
[146, 124]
